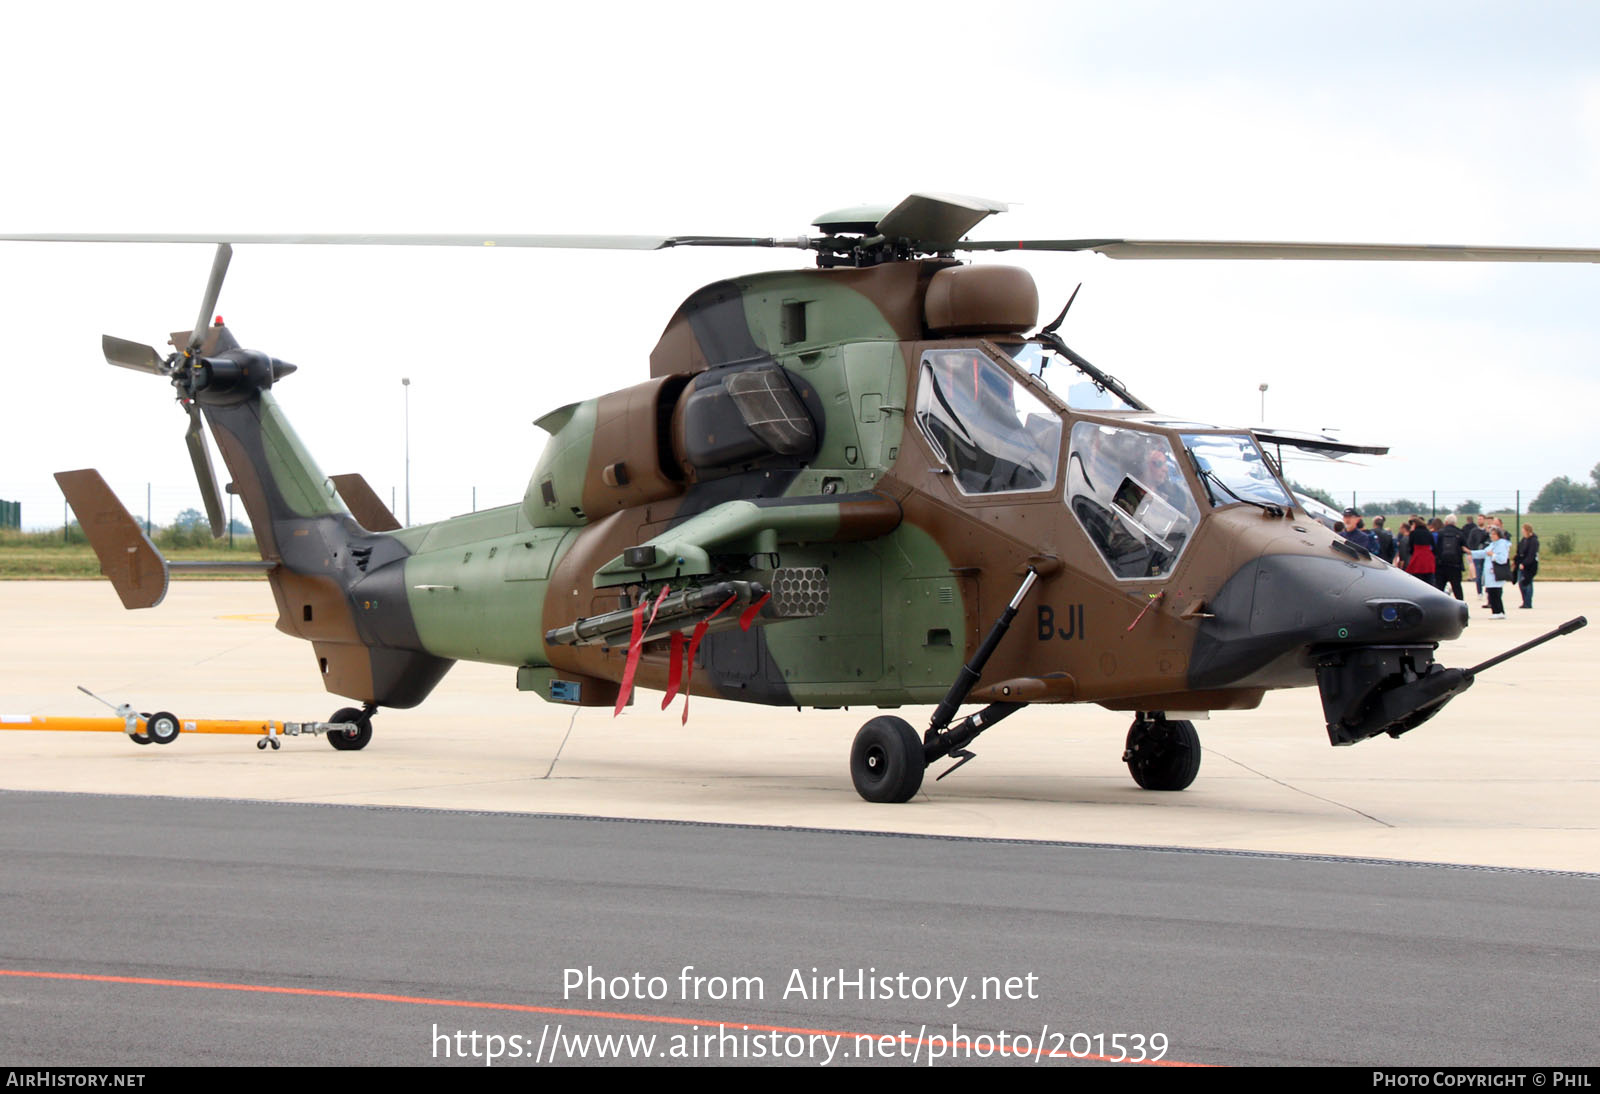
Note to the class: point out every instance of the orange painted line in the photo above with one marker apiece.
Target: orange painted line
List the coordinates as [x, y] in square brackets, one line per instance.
[528, 1008]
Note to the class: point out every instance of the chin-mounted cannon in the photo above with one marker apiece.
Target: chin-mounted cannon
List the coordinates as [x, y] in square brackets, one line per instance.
[1394, 689]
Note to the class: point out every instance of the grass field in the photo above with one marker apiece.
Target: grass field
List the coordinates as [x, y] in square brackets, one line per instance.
[44, 554]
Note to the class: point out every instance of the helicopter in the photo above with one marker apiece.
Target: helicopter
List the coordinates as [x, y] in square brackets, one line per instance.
[840, 486]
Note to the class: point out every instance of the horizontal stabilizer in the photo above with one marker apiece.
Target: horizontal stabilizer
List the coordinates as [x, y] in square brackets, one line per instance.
[364, 504]
[136, 569]
[223, 566]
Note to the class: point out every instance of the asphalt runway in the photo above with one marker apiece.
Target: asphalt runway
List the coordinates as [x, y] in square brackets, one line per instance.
[183, 931]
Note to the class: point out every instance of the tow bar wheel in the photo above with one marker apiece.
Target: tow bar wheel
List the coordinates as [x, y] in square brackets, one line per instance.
[351, 742]
[161, 728]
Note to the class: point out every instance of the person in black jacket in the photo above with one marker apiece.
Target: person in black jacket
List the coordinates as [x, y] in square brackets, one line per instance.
[1451, 551]
[1475, 540]
[1385, 538]
[1353, 531]
[1527, 564]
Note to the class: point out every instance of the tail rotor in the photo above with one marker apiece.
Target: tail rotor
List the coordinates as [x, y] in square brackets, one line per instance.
[190, 374]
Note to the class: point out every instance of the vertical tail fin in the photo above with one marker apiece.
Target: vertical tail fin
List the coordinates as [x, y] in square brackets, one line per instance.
[364, 504]
[136, 569]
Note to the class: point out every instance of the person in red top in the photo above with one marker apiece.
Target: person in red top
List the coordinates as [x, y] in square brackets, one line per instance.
[1421, 564]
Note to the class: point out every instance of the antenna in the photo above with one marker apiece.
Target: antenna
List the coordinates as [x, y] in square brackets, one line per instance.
[1056, 322]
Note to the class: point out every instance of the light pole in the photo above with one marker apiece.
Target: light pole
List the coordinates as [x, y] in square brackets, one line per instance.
[405, 382]
[1263, 390]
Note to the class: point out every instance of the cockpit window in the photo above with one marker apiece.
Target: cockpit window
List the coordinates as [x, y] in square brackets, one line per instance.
[1129, 494]
[1233, 470]
[993, 434]
[1080, 392]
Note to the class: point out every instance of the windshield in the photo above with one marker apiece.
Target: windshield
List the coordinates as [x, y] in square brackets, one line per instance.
[1080, 393]
[1234, 470]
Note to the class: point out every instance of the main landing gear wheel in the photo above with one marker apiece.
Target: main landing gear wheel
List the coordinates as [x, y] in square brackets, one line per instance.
[1162, 755]
[886, 761]
[351, 742]
[161, 728]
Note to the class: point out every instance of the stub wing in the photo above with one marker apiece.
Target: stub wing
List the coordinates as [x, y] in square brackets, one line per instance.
[750, 527]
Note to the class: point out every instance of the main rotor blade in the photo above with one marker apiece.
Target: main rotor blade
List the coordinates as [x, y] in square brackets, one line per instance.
[1242, 249]
[208, 306]
[134, 355]
[936, 234]
[574, 242]
[200, 455]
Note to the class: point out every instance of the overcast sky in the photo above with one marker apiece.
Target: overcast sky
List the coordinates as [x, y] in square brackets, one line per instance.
[1435, 123]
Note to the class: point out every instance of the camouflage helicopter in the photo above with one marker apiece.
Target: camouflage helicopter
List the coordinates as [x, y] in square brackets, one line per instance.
[839, 486]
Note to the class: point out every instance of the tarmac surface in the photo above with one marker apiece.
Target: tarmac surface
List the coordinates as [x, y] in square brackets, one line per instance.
[206, 902]
[205, 932]
[1507, 775]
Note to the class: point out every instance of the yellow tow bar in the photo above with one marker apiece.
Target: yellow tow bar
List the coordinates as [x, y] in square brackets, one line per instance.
[163, 728]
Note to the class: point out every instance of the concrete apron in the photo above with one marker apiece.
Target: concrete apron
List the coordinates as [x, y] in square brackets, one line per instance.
[1506, 776]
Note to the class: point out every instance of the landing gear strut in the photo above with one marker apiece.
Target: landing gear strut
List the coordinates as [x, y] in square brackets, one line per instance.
[887, 759]
[1161, 754]
[361, 719]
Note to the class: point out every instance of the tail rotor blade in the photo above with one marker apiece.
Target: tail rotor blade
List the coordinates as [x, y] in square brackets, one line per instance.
[208, 306]
[201, 457]
[134, 355]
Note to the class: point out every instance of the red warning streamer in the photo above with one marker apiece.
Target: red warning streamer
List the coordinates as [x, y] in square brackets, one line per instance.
[674, 669]
[688, 656]
[635, 645]
[748, 616]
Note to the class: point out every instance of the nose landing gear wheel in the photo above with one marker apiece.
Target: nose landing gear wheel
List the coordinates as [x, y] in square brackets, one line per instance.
[351, 742]
[1162, 755]
[886, 761]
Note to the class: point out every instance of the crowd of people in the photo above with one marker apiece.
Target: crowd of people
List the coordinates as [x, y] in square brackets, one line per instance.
[1440, 552]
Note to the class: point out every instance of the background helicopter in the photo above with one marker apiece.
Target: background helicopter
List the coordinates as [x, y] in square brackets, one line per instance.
[839, 487]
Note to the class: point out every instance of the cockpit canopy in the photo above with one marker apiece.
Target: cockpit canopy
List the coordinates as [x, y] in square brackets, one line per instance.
[993, 434]
[1232, 469]
[1128, 492]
